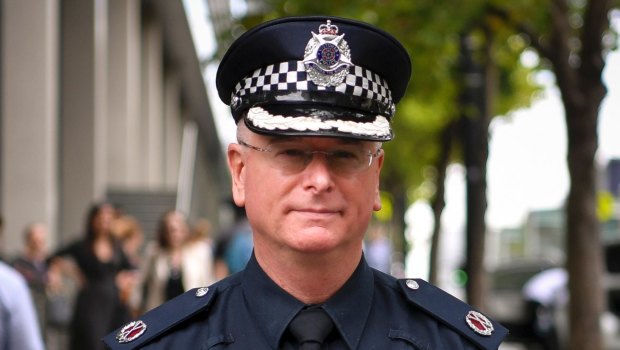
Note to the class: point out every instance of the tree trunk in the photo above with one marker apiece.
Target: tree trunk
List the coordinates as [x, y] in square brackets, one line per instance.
[475, 128]
[583, 241]
[579, 74]
[438, 202]
[582, 89]
[584, 251]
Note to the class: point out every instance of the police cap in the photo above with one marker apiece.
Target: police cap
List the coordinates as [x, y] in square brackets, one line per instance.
[324, 76]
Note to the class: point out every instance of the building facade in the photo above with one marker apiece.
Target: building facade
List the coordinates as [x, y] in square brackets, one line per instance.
[102, 100]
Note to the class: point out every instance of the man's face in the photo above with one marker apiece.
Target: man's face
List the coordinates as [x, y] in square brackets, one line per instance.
[37, 239]
[312, 210]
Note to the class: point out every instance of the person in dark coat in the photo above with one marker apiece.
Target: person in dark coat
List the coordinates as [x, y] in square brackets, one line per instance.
[104, 270]
[313, 99]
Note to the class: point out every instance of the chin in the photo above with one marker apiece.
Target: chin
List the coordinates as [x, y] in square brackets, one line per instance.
[316, 240]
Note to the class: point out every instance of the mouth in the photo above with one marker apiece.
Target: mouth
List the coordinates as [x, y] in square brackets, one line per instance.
[317, 212]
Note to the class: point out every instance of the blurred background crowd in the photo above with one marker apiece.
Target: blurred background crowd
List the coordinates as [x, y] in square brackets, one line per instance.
[111, 274]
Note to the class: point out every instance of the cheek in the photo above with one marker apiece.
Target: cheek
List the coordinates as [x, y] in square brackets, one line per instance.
[261, 192]
[369, 197]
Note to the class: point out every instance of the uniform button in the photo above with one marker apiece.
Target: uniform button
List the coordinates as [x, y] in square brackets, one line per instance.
[412, 284]
[201, 292]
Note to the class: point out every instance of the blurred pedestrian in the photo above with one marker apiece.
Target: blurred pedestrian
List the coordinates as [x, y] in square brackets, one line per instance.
[50, 293]
[104, 270]
[544, 294]
[201, 235]
[234, 245]
[174, 263]
[201, 231]
[19, 328]
[129, 232]
[131, 237]
[32, 264]
[378, 250]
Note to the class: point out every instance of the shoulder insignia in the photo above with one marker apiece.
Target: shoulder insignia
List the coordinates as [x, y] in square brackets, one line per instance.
[456, 314]
[157, 321]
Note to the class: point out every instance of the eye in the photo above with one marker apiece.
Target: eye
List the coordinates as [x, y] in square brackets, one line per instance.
[290, 152]
[344, 155]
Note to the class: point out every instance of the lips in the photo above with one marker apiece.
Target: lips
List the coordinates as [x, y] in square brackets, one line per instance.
[318, 211]
[317, 206]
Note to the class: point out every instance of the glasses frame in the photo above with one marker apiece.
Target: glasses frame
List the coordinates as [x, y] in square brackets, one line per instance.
[371, 155]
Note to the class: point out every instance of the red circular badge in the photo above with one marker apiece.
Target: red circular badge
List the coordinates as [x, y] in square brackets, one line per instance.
[131, 331]
[479, 323]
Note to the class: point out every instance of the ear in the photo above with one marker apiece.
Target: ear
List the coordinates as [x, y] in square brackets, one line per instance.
[376, 206]
[236, 165]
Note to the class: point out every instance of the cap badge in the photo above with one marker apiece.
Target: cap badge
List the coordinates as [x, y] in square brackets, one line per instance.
[327, 57]
[479, 323]
[131, 331]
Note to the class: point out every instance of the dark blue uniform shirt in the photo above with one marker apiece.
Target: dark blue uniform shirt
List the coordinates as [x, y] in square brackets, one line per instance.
[371, 311]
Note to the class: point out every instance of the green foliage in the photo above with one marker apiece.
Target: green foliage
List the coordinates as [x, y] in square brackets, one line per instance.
[430, 31]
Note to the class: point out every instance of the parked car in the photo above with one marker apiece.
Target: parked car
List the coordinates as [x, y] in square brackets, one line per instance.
[544, 324]
[507, 303]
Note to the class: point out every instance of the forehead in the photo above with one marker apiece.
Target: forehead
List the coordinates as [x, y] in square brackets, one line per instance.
[37, 231]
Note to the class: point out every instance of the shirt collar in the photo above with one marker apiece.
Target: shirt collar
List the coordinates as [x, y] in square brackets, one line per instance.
[270, 305]
[273, 308]
[350, 306]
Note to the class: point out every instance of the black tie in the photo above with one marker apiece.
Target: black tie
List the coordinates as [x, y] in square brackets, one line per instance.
[310, 327]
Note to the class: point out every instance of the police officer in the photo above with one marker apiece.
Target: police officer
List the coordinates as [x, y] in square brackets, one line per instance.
[313, 98]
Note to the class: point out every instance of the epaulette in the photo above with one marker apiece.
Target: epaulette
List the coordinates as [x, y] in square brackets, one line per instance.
[159, 320]
[454, 313]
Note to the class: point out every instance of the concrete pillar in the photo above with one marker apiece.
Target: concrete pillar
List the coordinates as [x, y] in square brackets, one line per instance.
[124, 93]
[84, 110]
[152, 104]
[29, 113]
[173, 130]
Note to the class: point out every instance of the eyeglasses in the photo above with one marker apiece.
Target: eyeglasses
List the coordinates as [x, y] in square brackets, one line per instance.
[293, 157]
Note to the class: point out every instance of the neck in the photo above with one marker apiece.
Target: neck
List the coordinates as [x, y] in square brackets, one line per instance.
[34, 255]
[311, 278]
[101, 235]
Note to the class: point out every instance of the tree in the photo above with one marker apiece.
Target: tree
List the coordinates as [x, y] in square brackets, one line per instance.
[475, 65]
[571, 37]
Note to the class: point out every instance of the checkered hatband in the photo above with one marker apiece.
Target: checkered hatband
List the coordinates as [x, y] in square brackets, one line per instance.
[285, 81]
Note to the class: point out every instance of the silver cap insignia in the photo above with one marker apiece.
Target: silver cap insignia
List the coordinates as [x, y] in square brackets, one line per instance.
[327, 57]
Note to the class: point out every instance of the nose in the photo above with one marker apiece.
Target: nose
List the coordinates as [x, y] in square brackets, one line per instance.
[317, 174]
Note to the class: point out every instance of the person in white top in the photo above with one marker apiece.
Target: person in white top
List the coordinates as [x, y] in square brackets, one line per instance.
[19, 328]
[174, 263]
